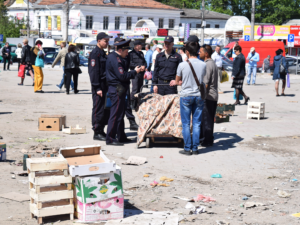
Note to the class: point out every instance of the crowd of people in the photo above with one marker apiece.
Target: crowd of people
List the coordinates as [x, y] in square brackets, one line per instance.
[197, 69]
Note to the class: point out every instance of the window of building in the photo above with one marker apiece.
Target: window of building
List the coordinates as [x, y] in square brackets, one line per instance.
[128, 23]
[151, 19]
[89, 22]
[171, 23]
[46, 22]
[54, 22]
[105, 22]
[140, 18]
[38, 21]
[207, 25]
[217, 26]
[198, 25]
[161, 23]
[117, 23]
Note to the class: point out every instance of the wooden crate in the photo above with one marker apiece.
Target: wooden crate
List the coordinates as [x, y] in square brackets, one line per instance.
[50, 187]
[256, 110]
[221, 118]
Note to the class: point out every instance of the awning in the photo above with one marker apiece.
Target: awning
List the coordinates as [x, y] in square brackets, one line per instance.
[85, 41]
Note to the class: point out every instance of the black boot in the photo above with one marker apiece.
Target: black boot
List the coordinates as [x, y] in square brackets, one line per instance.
[133, 125]
[100, 136]
[132, 104]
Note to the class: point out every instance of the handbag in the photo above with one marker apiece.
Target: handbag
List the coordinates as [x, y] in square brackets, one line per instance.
[281, 68]
[39, 62]
[79, 70]
[225, 77]
[201, 87]
[288, 84]
[21, 72]
[234, 96]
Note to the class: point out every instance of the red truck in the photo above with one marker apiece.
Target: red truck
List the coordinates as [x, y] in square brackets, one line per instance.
[263, 48]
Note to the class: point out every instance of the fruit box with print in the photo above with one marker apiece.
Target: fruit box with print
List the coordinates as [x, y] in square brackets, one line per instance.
[109, 209]
[98, 187]
[87, 160]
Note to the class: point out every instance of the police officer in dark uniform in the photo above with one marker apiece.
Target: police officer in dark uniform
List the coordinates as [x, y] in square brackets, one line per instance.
[96, 66]
[118, 80]
[165, 69]
[128, 110]
[136, 58]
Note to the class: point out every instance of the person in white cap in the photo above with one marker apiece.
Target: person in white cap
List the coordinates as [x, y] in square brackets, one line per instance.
[253, 58]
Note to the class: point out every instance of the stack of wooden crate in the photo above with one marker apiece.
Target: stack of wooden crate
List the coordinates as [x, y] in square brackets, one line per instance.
[223, 111]
[50, 187]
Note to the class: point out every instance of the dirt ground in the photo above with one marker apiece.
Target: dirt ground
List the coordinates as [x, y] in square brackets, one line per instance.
[255, 158]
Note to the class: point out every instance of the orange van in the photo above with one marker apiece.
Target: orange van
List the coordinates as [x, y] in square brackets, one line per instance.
[263, 48]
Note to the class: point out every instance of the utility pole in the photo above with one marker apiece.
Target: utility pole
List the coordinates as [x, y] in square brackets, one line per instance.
[28, 29]
[67, 22]
[252, 20]
[203, 23]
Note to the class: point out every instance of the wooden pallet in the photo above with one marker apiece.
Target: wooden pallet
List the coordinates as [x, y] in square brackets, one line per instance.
[50, 188]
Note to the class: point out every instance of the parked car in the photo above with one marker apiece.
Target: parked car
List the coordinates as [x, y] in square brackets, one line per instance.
[50, 49]
[291, 63]
[13, 48]
[226, 63]
[50, 57]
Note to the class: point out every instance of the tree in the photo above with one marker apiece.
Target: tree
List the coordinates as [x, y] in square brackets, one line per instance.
[9, 26]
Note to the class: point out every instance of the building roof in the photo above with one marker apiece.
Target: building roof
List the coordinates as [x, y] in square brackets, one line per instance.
[292, 22]
[145, 4]
[195, 13]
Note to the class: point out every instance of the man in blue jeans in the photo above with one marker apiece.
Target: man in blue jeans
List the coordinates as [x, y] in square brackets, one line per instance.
[253, 58]
[190, 98]
[61, 56]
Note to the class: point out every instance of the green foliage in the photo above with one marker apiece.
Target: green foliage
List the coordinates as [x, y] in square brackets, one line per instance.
[117, 183]
[9, 27]
[84, 192]
[266, 11]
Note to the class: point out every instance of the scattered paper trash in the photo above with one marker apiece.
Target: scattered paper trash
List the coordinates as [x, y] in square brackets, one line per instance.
[203, 198]
[13, 177]
[146, 175]
[195, 209]
[154, 183]
[161, 157]
[184, 198]
[245, 198]
[135, 160]
[252, 204]
[223, 129]
[189, 205]
[283, 194]
[295, 137]
[166, 179]
[296, 215]
[294, 180]
[216, 175]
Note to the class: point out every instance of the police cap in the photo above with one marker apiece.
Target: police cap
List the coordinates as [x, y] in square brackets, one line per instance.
[193, 38]
[169, 39]
[123, 44]
[137, 42]
[102, 35]
[118, 39]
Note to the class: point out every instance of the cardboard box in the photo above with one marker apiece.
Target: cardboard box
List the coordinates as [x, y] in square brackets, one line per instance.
[104, 210]
[2, 151]
[51, 122]
[99, 187]
[87, 160]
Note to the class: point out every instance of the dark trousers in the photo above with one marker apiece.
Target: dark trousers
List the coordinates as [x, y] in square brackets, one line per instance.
[69, 73]
[166, 89]
[100, 115]
[6, 59]
[19, 62]
[137, 83]
[128, 110]
[116, 119]
[208, 119]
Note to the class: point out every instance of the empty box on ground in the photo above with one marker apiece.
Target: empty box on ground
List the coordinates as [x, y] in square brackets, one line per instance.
[99, 187]
[87, 160]
[52, 122]
[2, 151]
[109, 209]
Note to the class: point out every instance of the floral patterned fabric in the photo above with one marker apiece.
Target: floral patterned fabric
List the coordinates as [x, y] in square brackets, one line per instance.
[159, 115]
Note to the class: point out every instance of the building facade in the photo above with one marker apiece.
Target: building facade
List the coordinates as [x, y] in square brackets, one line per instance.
[87, 18]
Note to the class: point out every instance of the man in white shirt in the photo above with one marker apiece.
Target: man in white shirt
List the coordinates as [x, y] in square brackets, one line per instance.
[155, 53]
[216, 56]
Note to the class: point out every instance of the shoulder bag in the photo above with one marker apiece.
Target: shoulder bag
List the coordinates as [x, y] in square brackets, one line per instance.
[281, 68]
[201, 87]
[39, 62]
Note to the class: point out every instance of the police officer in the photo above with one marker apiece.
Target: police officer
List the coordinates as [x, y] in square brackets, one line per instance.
[96, 67]
[136, 58]
[165, 69]
[118, 80]
[128, 110]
